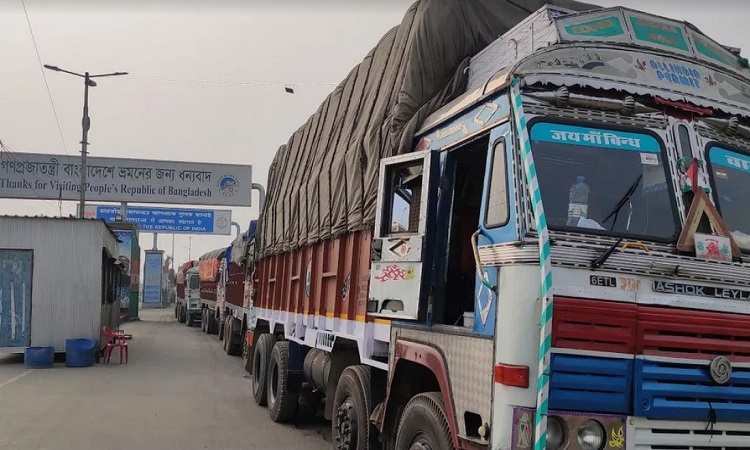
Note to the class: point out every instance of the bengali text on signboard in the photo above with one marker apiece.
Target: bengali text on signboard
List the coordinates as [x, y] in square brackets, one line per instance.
[55, 177]
[152, 219]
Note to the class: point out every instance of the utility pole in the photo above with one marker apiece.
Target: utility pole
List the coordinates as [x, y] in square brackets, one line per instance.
[85, 124]
[190, 248]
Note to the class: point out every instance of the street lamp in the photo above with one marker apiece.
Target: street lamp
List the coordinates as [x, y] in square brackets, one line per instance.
[85, 123]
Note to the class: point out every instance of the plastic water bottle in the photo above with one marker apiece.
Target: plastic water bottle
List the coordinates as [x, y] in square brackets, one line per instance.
[578, 201]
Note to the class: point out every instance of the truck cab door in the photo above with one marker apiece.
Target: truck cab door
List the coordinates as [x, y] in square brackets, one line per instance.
[402, 253]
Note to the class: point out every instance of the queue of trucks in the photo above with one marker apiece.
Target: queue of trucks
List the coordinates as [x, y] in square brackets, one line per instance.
[212, 291]
[535, 239]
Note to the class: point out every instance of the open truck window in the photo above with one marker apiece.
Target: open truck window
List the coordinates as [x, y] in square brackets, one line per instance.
[731, 177]
[584, 173]
[403, 203]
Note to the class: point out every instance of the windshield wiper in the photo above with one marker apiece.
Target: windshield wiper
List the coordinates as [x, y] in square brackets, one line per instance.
[625, 200]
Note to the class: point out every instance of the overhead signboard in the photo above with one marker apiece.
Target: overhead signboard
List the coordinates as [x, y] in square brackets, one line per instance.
[167, 220]
[56, 177]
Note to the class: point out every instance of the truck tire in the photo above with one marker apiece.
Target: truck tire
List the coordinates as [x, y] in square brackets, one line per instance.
[424, 423]
[204, 324]
[233, 342]
[259, 365]
[213, 327]
[190, 319]
[177, 311]
[181, 319]
[350, 424]
[282, 399]
[220, 328]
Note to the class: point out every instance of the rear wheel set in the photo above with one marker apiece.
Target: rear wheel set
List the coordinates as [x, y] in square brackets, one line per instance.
[232, 343]
[351, 429]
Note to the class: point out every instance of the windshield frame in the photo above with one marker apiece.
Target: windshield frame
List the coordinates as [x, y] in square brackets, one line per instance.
[716, 144]
[667, 165]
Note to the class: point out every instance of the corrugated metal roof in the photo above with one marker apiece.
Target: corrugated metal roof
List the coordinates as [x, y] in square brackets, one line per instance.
[71, 218]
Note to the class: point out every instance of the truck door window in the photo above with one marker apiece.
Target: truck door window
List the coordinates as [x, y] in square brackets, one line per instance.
[497, 200]
[194, 282]
[731, 177]
[402, 208]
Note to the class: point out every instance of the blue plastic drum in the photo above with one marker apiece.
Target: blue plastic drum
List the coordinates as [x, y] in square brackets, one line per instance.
[80, 352]
[39, 357]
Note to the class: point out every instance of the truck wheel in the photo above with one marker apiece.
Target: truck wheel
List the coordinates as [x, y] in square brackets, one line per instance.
[204, 327]
[213, 326]
[190, 318]
[261, 357]
[220, 328]
[424, 423]
[282, 400]
[177, 311]
[181, 319]
[350, 423]
[234, 344]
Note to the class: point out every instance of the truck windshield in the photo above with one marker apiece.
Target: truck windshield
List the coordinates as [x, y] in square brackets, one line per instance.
[731, 176]
[584, 172]
[194, 282]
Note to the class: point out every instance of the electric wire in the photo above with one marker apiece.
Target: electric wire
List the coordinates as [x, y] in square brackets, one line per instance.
[44, 76]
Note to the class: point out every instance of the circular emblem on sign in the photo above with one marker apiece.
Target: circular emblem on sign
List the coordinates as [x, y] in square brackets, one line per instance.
[721, 369]
[228, 185]
[222, 222]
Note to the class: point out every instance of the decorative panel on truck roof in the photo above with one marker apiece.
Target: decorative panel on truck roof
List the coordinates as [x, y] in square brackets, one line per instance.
[613, 26]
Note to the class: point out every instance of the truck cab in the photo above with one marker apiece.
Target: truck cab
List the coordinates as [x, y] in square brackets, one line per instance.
[192, 306]
[560, 263]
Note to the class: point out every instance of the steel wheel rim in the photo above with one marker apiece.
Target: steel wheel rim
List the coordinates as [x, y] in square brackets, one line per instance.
[347, 426]
[420, 442]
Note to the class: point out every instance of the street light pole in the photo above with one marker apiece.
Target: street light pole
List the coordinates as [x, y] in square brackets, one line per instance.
[85, 124]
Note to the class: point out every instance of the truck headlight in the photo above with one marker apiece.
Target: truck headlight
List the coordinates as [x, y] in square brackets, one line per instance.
[555, 433]
[591, 435]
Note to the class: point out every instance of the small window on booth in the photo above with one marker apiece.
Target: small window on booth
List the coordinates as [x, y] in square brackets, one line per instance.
[497, 198]
[403, 202]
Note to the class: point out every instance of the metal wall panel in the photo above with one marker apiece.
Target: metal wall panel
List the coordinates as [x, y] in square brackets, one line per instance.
[67, 282]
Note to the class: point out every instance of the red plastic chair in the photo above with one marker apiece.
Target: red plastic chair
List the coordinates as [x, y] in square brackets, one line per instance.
[114, 341]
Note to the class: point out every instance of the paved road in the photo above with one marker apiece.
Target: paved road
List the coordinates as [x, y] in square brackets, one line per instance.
[180, 391]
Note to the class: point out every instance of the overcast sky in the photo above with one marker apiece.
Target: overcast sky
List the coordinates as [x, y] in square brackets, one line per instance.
[192, 63]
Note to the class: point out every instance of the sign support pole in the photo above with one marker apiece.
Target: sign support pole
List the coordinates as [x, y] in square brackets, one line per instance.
[156, 237]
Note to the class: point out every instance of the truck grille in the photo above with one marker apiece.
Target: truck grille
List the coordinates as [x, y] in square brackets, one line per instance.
[693, 334]
[581, 383]
[663, 435]
[677, 391]
[594, 325]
